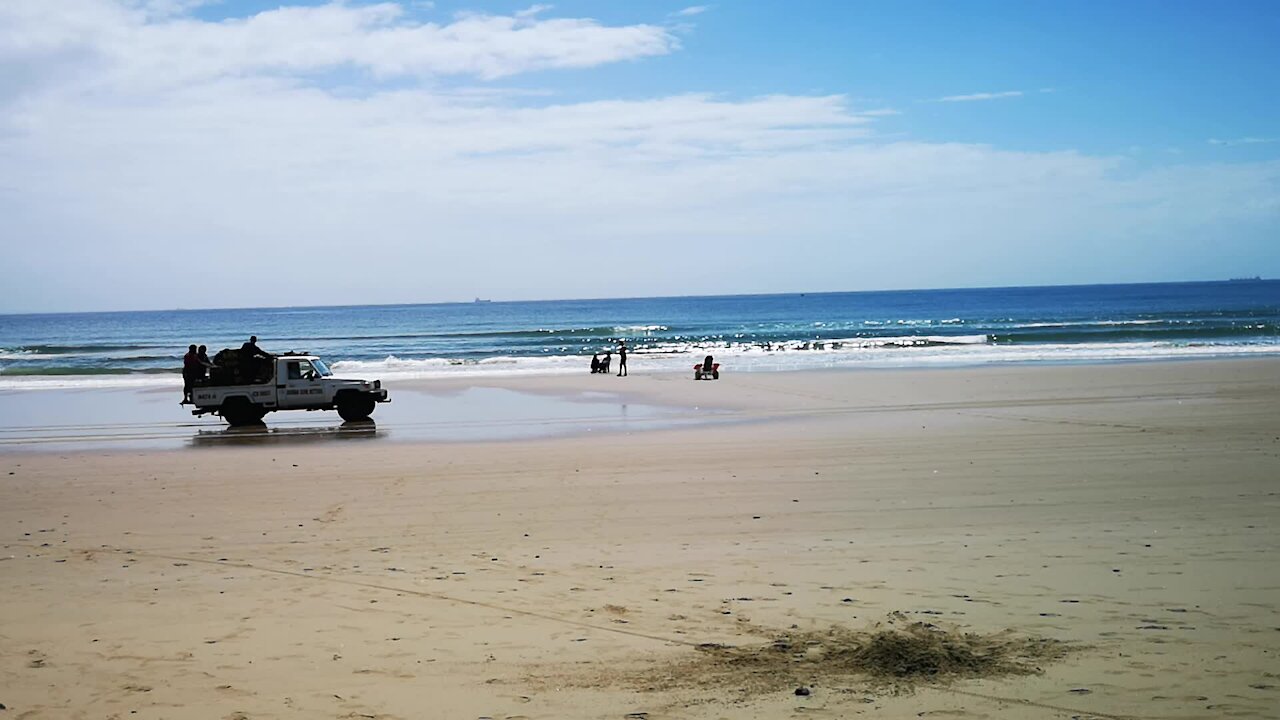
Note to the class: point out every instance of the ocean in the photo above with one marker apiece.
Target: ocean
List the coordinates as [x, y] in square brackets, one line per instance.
[746, 333]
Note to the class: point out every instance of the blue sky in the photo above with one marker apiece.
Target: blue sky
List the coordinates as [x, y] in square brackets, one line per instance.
[1155, 76]
[608, 148]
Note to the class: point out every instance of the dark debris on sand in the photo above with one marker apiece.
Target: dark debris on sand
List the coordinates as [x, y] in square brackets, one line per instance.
[898, 652]
[892, 656]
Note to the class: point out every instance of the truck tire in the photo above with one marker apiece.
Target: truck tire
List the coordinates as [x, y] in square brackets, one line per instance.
[239, 411]
[353, 407]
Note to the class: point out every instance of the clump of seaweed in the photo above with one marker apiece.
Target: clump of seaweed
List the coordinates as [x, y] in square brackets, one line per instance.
[892, 656]
[924, 651]
[896, 649]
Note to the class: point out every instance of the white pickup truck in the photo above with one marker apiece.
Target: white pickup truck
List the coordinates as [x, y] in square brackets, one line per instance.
[296, 381]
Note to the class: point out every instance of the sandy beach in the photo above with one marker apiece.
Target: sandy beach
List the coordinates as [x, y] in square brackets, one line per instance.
[1130, 511]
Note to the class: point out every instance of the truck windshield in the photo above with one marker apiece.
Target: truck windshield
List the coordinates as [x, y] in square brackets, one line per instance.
[321, 367]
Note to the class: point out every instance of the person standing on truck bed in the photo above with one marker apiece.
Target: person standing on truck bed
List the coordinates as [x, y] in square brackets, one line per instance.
[191, 369]
[251, 350]
[202, 354]
[250, 354]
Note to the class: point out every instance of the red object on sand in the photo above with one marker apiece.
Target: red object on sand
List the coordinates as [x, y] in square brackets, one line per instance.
[701, 373]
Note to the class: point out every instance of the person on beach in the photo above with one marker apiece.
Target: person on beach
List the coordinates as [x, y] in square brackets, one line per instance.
[622, 359]
[202, 354]
[604, 364]
[250, 354]
[191, 369]
[250, 350]
[595, 363]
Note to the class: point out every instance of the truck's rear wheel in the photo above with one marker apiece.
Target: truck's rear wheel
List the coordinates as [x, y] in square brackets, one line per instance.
[353, 407]
[238, 411]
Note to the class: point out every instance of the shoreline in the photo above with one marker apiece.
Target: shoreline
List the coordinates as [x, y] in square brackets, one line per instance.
[154, 381]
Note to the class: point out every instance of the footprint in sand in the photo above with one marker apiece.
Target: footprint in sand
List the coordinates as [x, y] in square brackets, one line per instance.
[330, 515]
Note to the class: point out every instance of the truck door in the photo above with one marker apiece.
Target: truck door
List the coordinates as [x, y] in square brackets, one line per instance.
[297, 384]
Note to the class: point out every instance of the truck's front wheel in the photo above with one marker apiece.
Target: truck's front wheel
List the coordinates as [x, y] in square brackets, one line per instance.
[354, 407]
[239, 411]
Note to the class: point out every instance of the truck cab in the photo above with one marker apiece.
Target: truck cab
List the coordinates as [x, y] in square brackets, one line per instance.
[289, 381]
[296, 381]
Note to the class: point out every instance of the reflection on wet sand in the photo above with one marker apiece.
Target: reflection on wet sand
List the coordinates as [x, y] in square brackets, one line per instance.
[61, 420]
[261, 434]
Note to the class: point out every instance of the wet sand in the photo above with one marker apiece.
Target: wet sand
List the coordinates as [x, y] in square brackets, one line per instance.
[123, 420]
[1128, 510]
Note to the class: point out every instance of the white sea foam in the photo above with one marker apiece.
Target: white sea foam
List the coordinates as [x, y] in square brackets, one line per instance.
[903, 352]
[846, 353]
[1088, 323]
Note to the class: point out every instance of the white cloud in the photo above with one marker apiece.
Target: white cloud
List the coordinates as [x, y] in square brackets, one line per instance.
[981, 96]
[532, 10]
[135, 46]
[1243, 141]
[166, 8]
[691, 11]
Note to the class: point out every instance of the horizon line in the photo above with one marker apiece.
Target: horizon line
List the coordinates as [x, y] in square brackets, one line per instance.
[490, 301]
